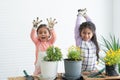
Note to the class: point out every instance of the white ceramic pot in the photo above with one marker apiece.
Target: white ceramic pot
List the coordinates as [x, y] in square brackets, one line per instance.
[49, 70]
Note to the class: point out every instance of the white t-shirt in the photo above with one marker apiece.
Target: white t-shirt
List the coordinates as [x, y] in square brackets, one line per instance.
[41, 56]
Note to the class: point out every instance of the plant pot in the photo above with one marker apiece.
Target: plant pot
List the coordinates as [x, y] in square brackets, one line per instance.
[119, 67]
[49, 69]
[111, 70]
[72, 69]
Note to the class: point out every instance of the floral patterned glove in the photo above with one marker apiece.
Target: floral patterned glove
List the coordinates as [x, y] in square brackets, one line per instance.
[51, 22]
[36, 22]
[82, 11]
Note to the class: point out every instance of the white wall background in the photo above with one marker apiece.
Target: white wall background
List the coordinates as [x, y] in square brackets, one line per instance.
[17, 51]
[116, 18]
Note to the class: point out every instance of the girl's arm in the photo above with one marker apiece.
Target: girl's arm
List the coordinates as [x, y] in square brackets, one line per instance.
[77, 32]
[53, 36]
[51, 24]
[87, 17]
[34, 36]
[33, 31]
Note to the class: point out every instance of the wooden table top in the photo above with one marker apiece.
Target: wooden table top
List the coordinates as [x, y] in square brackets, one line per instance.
[59, 77]
[85, 76]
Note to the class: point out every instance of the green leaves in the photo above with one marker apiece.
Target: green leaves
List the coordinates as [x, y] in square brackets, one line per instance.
[113, 43]
[74, 53]
[75, 56]
[53, 54]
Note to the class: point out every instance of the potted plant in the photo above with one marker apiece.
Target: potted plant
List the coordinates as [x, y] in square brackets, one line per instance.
[50, 63]
[73, 63]
[112, 57]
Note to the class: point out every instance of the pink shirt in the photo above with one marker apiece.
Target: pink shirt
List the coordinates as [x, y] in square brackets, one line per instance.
[42, 46]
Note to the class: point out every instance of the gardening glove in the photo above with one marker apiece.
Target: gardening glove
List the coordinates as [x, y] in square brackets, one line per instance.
[82, 11]
[51, 22]
[36, 22]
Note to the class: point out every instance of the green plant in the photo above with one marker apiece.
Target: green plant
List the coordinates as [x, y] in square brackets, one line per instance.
[74, 53]
[53, 54]
[112, 50]
[113, 43]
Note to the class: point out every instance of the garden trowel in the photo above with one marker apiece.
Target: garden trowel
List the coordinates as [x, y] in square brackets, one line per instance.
[28, 77]
[96, 73]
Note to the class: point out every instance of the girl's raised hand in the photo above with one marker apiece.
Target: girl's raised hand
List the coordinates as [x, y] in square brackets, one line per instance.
[36, 22]
[51, 22]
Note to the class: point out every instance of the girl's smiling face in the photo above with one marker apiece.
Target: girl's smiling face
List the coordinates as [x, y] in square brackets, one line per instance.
[43, 34]
[86, 34]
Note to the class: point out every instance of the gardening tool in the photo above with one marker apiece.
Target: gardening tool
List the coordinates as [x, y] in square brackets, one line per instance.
[28, 77]
[96, 73]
